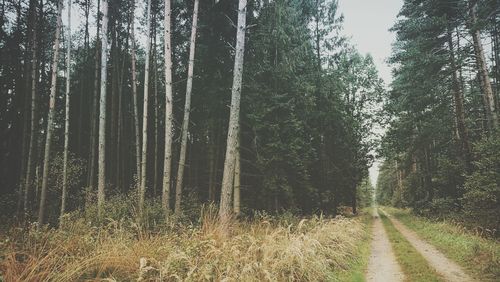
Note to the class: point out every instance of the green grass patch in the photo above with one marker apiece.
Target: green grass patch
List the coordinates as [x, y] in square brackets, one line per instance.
[359, 263]
[413, 264]
[479, 256]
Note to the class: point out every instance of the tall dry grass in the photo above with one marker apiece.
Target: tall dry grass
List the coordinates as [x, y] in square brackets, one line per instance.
[265, 249]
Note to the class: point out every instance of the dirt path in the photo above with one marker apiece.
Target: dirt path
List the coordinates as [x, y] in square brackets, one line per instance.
[382, 266]
[447, 268]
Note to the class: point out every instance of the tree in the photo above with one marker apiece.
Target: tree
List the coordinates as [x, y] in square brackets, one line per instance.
[134, 95]
[142, 189]
[482, 68]
[187, 109]
[50, 119]
[230, 159]
[33, 123]
[101, 183]
[458, 99]
[168, 110]
[237, 181]
[94, 118]
[66, 120]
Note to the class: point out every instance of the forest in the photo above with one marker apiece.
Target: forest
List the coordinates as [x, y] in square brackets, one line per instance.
[208, 140]
[441, 150]
[87, 117]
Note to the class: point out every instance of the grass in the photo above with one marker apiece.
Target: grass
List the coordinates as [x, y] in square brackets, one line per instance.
[358, 264]
[480, 256]
[414, 266]
[264, 249]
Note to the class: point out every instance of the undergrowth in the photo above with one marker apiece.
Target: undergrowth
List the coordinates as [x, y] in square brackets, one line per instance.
[263, 249]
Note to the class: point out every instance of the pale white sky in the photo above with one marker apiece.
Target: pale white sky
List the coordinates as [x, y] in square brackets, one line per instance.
[367, 22]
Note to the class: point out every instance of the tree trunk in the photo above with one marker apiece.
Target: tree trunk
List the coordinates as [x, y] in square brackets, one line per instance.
[66, 122]
[33, 124]
[84, 80]
[142, 190]
[155, 73]
[483, 69]
[134, 100]
[212, 163]
[165, 199]
[101, 178]
[50, 119]
[119, 125]
[187, 109]
[237, 180]
[114, 66]
[495, 51]
[93, 118]
[458, 99]
[230, 159]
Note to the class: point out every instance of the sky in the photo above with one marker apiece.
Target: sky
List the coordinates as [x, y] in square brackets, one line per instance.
[367, 23]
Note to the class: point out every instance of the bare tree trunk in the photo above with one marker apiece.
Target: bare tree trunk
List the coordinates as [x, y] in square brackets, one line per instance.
[66, 122]
[119, 145]
[134, 100]
[483, 69]
[237, 180]
[114, 66]
[142, 190]
[26, 110]
[84, 78]
[155, 72]
[93, 118]
[168, 110]
[50, 119]
[118, 150]
[227, 179]
[187, 109]
[37, 182]
[101, 178]
[458, 98]
[33, 124]
[212, 164]
[496, 50]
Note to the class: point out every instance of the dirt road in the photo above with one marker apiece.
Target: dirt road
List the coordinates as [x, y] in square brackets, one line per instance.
[447, 268]
[382, 266]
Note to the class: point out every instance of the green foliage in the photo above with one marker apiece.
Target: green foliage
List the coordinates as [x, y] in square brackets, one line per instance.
[481, 200]
[435, 117]
[365, 193]
[75, 170]
[306, 110]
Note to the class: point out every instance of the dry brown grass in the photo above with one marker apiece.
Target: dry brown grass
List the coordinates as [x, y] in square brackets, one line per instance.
[314, 249]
